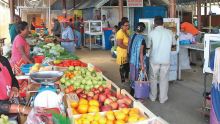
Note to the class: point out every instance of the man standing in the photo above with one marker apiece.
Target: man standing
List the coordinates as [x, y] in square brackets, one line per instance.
[56, 28]
[12, 27]
[105, 22]
[77, 33]
[160, 43]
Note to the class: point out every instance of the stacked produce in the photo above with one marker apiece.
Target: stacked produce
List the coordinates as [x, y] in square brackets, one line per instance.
[4, 119]
[122, 116]
[39, 67]
[68, 63]
[81, 77]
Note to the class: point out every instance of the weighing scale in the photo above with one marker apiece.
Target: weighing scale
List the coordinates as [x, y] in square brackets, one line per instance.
[47, 96]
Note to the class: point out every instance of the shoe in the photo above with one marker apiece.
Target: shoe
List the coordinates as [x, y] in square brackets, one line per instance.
[153, 100]
[163, 101]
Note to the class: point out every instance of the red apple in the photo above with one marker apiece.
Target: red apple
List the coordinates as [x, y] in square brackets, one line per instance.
[113, 98]
[123, 105]
[96, 91]
[107, 91]
[106, 108]
[91, 94]
[108, 95]
[120, 96]
[78, 91]
[114, 105]
[101, 88]
[89, 98]
[102, 97]
[120, 101]
[96, 97]
[127, 100]
[108, 101]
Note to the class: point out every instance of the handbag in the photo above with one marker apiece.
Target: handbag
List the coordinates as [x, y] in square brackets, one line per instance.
[142, 86]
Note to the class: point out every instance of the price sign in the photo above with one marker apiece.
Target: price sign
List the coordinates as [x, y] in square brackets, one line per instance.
[135, 3]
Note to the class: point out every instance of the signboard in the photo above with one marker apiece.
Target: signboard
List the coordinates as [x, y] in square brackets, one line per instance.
[135, 3]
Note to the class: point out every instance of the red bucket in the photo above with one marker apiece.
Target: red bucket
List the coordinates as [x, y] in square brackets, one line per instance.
[38, 59]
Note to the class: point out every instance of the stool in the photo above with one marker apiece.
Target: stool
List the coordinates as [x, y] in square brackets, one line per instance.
[2, 42]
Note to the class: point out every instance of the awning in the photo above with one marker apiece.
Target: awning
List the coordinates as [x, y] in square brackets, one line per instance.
[91, 4]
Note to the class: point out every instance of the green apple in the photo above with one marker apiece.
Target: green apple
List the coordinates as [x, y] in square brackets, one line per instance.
[71, 68]
[62, 80]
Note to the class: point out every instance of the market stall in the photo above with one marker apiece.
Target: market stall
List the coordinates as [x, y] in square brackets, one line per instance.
[76, 92]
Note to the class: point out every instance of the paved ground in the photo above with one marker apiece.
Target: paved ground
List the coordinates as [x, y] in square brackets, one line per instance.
[185, 97]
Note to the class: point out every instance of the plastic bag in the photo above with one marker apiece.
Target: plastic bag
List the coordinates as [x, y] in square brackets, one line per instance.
[39, 116]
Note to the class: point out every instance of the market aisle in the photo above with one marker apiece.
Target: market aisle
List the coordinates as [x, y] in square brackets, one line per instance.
[185, 97]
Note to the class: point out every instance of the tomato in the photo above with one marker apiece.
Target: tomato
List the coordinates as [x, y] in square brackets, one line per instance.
[67, 90]
[71, 88]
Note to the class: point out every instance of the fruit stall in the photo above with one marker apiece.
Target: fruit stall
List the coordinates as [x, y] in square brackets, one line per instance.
[78, 92]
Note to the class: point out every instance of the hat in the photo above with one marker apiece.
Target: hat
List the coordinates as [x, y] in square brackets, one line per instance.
[65, 20]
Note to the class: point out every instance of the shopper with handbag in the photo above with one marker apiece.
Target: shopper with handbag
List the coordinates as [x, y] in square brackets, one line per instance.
[160, 43]
[136, 54]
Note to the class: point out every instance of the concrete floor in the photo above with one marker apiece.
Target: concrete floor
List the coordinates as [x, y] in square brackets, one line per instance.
[185, 97]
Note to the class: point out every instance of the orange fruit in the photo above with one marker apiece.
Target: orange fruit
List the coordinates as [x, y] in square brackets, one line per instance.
[83, 101]
[74, 104]
[74, 111]
[102, 120]
[110, 115]
[133, 118]
[85, 121]
[83, 108]
[142, 118]
[93, 109]
[89, 117]
[125, 110]
[119, 122]
[120, 116]
[94, 103]
[94, 122]
[110, 122]
[133, 111]
[97, 116]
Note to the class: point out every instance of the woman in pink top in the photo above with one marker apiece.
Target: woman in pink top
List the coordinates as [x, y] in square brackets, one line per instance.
[20, 51]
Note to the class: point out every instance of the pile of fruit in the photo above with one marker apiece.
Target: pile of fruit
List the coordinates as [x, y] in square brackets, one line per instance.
[122, 116]
[68, 63]
[39, 67]
[102, 98]
[81, 77]
[4, 119]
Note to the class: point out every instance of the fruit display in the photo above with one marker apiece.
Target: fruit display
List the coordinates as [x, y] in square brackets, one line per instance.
[68, 63]
[122, 116]
[4, 119]
[82, 78]
[39, 67]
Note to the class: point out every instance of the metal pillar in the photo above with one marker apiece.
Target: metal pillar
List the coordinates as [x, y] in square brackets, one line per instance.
[64, 8]
[12, 9]
[199, 14]
[172, 8]
[120, 4]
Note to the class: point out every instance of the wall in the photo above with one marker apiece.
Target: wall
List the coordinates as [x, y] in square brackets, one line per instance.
[4, 22]
[112, 14]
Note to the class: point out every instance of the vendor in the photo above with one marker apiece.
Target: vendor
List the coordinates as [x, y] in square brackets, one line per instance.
[190, 28]
[215, 91]
[9, 89]
[105, 22]
[20, 53]
[33, 23]
[67, 40]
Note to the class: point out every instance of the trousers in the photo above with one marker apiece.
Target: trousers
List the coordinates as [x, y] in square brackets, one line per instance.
[79, 39]
[124, 71]
[68, 46]
[159, 74]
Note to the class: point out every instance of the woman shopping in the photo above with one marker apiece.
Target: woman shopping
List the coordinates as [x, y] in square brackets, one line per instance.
[67, 40]
[137, 51]
[20, 52]
[215, 89]
[9, 89]
[122, 38]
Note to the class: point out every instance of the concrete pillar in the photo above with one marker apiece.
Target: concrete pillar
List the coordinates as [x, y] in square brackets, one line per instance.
[199, 14]
[120, 4]
[12, 10]
[64, 8]
[172, 9]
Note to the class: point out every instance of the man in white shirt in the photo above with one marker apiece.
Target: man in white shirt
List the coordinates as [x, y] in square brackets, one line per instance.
[105, 22]
[160, 44]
